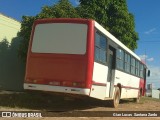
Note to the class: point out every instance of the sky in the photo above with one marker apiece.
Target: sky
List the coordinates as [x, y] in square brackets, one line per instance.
[147, 17]
[146, 13]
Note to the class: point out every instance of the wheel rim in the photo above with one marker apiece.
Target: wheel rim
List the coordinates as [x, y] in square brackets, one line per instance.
[139, 97]
[117, 99]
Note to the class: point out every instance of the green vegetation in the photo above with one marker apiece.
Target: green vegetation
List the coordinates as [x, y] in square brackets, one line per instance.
[11, 65]
[121, 23]
[144, 99]
[4, 44]
[111, 14]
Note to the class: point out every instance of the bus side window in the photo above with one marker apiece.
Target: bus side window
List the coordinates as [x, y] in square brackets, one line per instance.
[97, 47]
[100, 48]
[127, 62]
[133, 63]
[137, 68]
[141, 71]
[120, 59]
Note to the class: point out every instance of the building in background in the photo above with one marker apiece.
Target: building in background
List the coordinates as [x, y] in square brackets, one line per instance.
[8, 27]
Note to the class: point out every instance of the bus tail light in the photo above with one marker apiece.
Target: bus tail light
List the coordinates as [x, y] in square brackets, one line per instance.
[67, 83]
[54, 83]
[35, 81]
[31, 81]
[28, 80]
[75, 84]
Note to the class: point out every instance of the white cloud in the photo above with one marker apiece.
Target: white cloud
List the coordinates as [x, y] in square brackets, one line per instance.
[145, 58]
[150, 31]
[150, 59]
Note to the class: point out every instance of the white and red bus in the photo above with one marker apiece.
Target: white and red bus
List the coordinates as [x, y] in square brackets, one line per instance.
[80, 57]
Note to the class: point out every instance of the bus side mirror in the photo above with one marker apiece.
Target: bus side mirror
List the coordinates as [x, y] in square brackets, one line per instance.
[148, 74]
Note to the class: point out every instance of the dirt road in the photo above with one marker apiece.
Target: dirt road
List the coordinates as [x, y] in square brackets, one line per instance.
[62, 108]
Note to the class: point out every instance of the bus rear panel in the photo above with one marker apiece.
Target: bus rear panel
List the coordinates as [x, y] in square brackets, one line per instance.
[59, 58]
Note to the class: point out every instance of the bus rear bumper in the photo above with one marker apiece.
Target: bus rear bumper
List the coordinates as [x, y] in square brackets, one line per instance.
[60, 89]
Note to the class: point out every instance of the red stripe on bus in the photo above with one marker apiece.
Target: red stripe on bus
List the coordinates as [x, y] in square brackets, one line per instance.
[129, 87]
[99, 84]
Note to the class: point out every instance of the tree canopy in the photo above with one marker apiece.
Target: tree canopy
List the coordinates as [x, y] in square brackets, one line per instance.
[121, 23]
[4, 44]
[113, 15]
[95, 9]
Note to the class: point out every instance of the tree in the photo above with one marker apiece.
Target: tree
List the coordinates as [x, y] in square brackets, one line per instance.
[95, 9]
[121, 23]
[4, 46]
[14, 46]
[63, 9]
[4, 50]
[24, 34]
[114, 16]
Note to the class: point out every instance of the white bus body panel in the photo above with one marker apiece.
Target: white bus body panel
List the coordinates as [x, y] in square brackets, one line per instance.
[98, 92]
[100, 73]
[130, 84]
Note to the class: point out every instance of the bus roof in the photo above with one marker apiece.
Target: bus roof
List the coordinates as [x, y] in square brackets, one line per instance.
[114, 39]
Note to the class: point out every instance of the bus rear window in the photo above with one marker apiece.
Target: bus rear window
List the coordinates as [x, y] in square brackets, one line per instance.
[60, 38]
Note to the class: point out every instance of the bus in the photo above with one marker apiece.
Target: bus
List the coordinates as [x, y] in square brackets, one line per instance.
[79, 57]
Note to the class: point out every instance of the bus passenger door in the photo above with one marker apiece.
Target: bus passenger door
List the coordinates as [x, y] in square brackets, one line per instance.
[111, 71]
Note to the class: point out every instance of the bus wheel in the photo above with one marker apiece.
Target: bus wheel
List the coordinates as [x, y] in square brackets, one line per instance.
[137, 100]
[116, 99]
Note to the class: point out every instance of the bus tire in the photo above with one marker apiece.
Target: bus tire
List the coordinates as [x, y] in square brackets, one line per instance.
[137, 100]
[116, 98]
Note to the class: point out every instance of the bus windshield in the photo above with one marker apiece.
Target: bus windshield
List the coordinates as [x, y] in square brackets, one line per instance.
[60, 38]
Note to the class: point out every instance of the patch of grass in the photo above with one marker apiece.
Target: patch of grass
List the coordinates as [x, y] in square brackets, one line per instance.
[149, 99]
[142, 100]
